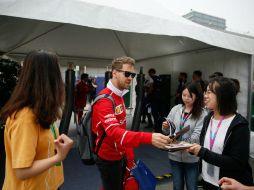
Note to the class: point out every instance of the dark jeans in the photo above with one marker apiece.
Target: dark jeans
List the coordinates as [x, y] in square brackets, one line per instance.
[112, 173]
[184, 173]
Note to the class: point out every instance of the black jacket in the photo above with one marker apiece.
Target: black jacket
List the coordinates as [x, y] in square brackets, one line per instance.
[234, 160]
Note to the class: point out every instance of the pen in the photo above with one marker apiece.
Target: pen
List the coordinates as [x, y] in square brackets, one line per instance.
[171, 125]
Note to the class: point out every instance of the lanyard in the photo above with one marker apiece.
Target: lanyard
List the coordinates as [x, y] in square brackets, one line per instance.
[183, 119]
[53, 130]
[213, 136]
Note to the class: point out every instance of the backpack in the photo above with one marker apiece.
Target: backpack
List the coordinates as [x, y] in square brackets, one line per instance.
[85, 136]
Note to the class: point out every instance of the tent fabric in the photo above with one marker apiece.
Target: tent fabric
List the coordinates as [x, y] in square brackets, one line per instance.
[20, 35]
[120, 21]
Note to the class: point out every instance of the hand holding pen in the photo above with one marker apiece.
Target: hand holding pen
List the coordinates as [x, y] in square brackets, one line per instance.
[169, 124]
[165, 125]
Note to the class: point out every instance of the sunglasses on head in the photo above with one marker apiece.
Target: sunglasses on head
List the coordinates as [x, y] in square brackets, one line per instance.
[127, 73]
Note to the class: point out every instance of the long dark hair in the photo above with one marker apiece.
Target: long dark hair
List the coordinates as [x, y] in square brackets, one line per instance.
[195, 88]
[225, 91]
[40, 87]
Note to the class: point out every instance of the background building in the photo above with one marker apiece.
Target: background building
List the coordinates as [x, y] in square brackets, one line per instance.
[206, 20]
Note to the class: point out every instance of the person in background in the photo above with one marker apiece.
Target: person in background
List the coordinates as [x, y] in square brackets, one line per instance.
[225, 137]
[154, 97]
[182, 79]
[197, 77]
[216, 74]
[80, 95]
[34, 150]
[116, 150]
[146, 109]
[92, 90]
[145, 103]
[231, 184]
[190, 113]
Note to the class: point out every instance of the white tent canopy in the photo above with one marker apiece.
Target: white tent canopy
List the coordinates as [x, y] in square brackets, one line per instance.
[100, 30]
[135, 17]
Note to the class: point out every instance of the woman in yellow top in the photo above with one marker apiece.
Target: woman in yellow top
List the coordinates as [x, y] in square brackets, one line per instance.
[34, 149]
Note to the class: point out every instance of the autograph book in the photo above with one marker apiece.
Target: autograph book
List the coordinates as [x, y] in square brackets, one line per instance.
[177, 146]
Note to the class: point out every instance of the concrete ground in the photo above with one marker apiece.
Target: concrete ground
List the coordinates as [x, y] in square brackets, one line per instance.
[165, 185]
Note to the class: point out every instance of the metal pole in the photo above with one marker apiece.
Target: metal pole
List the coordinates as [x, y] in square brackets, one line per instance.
[69, 101]
[140, 93]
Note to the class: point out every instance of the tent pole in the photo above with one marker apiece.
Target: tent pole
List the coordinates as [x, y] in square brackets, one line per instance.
[121, 44]
[250, 91]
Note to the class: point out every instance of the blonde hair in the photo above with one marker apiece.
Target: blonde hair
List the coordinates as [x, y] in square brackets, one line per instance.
[118, 63]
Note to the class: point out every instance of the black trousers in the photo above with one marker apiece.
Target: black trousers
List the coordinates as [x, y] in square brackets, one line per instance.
[112, 173]
[209, 186]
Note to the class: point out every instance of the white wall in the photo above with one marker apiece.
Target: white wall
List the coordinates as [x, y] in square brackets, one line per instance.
[93, 67]
[232, 64]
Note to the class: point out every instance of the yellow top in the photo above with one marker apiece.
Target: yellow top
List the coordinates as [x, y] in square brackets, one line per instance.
[25, 141]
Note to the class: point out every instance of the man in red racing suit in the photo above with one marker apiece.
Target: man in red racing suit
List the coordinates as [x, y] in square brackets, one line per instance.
[117, 147]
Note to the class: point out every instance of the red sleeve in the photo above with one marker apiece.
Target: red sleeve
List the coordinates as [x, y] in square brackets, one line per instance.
[130, 157]
[103, 110]
[129, 153]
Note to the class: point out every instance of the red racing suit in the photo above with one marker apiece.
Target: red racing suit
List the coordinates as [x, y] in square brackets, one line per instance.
[118, 141]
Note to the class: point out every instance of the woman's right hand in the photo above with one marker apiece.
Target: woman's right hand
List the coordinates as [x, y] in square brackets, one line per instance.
[165, 125]
[232, 184]
[194, 149]
[63, 145]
